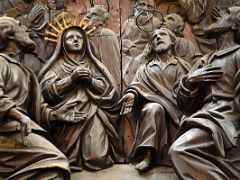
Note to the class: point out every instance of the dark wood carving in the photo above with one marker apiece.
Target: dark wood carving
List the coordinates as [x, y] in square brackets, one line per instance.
[209, 96]
[25, 152]
[156, 80]
[151, 96]
[80, 88]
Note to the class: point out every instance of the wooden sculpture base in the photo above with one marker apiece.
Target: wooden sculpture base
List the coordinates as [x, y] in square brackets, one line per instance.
[126, 172]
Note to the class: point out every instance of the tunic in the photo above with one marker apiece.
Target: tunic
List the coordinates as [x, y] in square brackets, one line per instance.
[19, 89]
[159, 117]
[92, 143]
[107, 50]
[211, 127]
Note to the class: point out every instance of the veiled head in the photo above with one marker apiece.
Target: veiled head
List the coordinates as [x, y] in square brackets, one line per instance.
[73, 41]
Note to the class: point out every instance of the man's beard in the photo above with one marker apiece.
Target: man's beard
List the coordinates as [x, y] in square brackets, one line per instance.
[28, 45]
[161, 50]
[215, 30]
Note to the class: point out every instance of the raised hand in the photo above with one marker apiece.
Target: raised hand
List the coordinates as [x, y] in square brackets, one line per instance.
[203, 75]
[36, 14]
[127, 102]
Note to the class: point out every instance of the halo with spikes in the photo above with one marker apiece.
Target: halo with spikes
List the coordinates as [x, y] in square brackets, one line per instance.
[63, 24]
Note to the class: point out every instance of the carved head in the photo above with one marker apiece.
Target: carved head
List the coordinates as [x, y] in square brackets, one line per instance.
[175, 23]
[56, 4]
[142, 5]
[162, 40]
[98, 14]
[73, 41]
[230, 21]
[12, 30]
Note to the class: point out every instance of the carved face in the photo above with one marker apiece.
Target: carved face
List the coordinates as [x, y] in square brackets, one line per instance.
[161, 40]
[21, 37]
[174, 22]
[97, 15]
[73, 41]
[144, 5]
[229, 20]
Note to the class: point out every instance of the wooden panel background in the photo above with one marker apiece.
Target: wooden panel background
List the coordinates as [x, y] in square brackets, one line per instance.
[119, 12]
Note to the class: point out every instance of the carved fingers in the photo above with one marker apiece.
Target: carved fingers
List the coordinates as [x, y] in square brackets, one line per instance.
[82, 74]
[216, 13]
[36, 14]
[205, 74]
[79, 116]
[70, 119]
[25, 130]
[26, 141]
[127, 102]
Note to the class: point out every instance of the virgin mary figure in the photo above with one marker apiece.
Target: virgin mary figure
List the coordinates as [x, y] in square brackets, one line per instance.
[84, 93]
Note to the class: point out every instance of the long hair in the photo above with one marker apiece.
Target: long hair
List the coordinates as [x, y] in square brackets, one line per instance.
[151, 54]
[58, 52]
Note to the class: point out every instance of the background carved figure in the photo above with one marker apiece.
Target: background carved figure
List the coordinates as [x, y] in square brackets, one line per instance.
[134, 40]
[208, 141]
[16, 8]
[184, 48]
[202, 13]
[24, 154]
[151, 95]
[79, 87]
[105, 42]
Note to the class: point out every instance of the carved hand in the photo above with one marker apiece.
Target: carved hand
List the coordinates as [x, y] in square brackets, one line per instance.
[133, 51]
[202, 75]
[58, 116]
[216, 13]
[25, 129]
[82, 74]
[35, 14]
[127, 102]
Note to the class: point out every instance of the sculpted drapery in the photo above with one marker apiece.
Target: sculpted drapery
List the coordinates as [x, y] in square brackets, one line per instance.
[93, 142]
[208, 135]
[24, 155]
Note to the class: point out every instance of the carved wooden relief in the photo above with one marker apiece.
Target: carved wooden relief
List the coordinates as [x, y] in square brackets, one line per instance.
[87, 84]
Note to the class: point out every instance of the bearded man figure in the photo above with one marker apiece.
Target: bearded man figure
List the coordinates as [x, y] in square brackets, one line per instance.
[208, 143]
[24, 154]
[105, 42]
[76, 84]
[151, 97]
[134, 39]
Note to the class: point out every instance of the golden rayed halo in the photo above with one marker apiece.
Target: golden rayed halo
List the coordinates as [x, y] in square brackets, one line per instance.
[63, 24]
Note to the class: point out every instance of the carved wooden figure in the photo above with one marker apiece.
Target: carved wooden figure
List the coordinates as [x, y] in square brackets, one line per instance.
[105, 42]
[151, 95]
[78, 86]
[134, 39]
[183, 48]
[207, 144]
[24, 150]
[202, 13]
